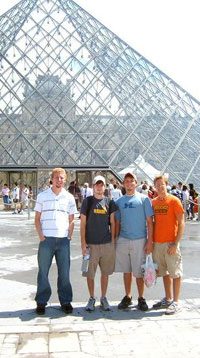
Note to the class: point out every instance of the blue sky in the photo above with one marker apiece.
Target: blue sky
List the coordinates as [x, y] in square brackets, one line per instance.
[166, 32]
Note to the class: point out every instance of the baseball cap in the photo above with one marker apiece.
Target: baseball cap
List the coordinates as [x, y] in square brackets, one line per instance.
[129, 174]
[99, 178]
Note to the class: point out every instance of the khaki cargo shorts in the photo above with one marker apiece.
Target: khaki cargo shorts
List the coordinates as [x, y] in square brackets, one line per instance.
[102, 255]
[167, 264]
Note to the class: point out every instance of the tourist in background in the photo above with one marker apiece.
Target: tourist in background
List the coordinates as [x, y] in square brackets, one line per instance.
[15, 197]
[6, 197]
[115, 193]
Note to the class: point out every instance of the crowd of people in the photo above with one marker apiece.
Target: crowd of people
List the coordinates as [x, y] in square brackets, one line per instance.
[117, 230]
[17, 196]
[114, 190]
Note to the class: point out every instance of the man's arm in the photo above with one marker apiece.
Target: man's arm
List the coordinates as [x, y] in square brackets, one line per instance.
[82, 231]
[71, 226]
[38, 226]
[181, 226]
[112, 227]
[117, 227]
[149, 245]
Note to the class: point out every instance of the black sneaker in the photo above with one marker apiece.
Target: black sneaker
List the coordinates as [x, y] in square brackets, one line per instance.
[125, 303]
[40, 309]
[142, 305]
[67, 308]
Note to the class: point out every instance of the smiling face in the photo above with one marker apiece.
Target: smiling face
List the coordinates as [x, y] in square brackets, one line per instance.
[161, 188]
[99, 188]
[130, 184]
[58, 179]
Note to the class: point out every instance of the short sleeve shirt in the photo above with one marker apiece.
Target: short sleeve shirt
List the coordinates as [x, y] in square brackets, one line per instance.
[97, 225]
[55, 211]
[15, 193]
[132, 213]
[166, 223]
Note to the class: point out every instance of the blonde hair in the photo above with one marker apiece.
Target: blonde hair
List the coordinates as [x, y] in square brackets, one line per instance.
[162, 177]
[58, 170]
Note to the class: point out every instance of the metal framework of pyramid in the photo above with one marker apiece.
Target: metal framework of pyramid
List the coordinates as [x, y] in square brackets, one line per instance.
[73, 94]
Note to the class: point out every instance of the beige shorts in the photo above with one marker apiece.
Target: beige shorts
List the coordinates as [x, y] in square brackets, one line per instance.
[102, 255]
[130, 255]
[167, 264]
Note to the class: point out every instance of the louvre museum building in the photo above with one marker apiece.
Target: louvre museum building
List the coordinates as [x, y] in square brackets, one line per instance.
[73, 94]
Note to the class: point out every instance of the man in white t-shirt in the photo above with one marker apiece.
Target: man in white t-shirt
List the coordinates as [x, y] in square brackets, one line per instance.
[24, 198]
[54, 221]
[115, 193]
[15, 196]
[111, 186]
[86, 191]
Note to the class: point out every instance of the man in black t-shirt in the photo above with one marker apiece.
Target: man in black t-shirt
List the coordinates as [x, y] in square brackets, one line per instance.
[97, 238]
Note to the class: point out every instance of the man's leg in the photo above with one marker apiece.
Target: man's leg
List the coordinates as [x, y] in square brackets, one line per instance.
[128, 279]
[90, 283]
[104, 285]
[140, 286]
[62, 255]
[176, 288]
[45, 256]
[168, 287]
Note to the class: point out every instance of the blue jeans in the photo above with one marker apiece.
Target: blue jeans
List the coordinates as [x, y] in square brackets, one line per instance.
[60, 247]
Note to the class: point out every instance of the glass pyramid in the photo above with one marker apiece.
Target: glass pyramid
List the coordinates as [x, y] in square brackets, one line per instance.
[73, 94]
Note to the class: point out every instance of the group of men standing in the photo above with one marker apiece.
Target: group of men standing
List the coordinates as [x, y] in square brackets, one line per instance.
[117, 236]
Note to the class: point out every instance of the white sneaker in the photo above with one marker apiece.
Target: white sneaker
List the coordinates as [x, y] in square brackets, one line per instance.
[164, 303]
[104, 304]
[90, 305]
[173, 308]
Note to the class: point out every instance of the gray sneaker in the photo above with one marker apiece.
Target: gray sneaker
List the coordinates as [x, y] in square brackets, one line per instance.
[104, 304]
[173, 308]
[164, 303]
[91, 304]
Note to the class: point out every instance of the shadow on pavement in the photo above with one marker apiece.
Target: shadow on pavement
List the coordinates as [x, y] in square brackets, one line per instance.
[55, 312]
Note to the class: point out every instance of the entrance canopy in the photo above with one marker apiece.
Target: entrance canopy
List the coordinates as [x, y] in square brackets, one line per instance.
[142, 169]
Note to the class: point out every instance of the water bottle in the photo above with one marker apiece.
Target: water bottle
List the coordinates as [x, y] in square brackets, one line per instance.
[85, 263]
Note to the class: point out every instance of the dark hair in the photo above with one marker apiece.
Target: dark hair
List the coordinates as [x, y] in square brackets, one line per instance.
[115, 186]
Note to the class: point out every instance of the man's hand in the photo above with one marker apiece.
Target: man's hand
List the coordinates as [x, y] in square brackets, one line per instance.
[172, 249]
[84, 250]
[42, 238]
[148, 247]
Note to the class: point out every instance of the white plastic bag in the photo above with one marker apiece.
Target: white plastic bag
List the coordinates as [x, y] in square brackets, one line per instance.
[149, 271]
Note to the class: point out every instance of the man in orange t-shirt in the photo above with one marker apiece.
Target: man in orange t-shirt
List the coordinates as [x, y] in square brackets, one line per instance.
[168, 230]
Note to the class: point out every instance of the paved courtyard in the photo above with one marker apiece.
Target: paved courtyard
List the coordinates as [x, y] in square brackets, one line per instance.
[128, 333]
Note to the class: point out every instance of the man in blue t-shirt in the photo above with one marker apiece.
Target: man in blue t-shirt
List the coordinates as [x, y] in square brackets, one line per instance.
[134, 232]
